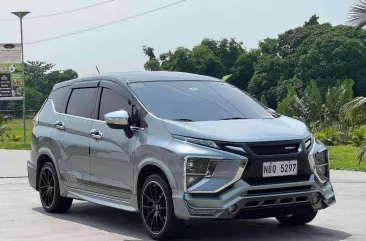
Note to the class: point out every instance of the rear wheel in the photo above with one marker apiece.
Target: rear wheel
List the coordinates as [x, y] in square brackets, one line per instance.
[298, 219]
[49, 191]
[157, 211]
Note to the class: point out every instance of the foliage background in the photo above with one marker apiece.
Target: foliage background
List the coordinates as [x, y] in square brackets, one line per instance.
[315, 52]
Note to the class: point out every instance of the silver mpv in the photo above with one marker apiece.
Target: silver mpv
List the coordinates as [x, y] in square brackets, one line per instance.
[177, 148]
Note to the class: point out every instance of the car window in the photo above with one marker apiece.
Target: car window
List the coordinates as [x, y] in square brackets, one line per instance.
[110, 101]
[81, 102]
[197, 101]
[59, 98]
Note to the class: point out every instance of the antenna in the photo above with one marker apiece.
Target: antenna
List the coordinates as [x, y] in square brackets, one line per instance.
[97, 69]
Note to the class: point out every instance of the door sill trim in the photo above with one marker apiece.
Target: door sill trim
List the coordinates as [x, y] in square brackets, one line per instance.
[101, 199]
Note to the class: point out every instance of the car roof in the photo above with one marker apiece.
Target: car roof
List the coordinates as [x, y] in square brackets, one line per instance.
[141, 76]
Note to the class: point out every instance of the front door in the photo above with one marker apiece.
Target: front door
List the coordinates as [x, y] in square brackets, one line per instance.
[111, 150]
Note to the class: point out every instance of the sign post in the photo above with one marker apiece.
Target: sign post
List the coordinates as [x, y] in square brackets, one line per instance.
[21, 15]
[11, 72]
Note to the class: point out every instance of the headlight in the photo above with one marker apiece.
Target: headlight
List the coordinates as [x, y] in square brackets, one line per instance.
[197, 169]
[309, 141]
[322, 165]
[200, 142]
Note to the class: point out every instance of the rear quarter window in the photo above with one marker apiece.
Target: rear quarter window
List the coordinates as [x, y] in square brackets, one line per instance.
[59, 98]
[46, 114]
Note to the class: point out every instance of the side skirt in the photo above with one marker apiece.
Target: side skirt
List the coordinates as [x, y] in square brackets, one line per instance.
[101, 199]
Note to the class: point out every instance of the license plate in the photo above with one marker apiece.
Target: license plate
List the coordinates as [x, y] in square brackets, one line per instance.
[282, 168]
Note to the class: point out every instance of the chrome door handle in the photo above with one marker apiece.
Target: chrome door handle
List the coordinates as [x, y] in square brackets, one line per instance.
[60, 125]
[96, 134]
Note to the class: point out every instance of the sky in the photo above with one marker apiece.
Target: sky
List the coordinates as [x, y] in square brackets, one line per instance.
[118, 47]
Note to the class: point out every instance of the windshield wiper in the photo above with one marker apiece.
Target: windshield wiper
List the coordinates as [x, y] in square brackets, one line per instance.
[234, 118]
[182, 119]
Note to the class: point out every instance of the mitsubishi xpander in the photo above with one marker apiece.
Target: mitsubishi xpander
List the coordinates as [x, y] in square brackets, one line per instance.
[175, 147]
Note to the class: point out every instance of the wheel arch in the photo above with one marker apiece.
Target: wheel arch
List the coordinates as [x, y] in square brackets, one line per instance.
[45, 155]
[150, 166]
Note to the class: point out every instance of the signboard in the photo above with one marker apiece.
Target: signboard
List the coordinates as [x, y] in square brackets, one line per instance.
[11, 72]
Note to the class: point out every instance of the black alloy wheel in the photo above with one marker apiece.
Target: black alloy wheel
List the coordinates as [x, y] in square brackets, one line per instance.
[157, 210]
[49, 191]
[154, 207]
[47, 187]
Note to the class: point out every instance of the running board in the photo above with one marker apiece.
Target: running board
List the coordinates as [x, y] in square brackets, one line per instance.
[101, 199]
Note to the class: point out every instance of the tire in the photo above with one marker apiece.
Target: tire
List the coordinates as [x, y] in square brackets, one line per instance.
[49, 191]
[157, 210]
[298, 219]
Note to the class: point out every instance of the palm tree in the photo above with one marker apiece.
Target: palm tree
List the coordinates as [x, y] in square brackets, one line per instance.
[355, 111]
[357, 14]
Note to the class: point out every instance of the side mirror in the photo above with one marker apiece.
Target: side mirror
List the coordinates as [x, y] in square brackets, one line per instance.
[117, 119]
[272, 110]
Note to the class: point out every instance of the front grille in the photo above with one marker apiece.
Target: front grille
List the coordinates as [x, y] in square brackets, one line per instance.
[260, 149]
[278, 190]
[271, 151]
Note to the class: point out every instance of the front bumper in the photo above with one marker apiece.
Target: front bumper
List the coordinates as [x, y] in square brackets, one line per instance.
[255, 201]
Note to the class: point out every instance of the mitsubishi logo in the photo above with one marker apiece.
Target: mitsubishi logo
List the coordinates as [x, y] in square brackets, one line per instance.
[289, 147]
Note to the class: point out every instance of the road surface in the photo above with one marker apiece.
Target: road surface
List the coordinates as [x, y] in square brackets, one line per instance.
[23, 218]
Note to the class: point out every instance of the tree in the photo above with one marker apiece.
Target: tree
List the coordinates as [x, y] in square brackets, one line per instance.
[210, 57]
[152, 64]
[313, 52]
[312, 21]
[266, 76]
[243, 68]
[318, 112]
[226, 51]
[357, 14]
[355, 111]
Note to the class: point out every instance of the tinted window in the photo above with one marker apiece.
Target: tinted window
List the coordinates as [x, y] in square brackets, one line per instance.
[198, 101]
[59, 98]
[112, 101]
[81, 102]
[46, 111]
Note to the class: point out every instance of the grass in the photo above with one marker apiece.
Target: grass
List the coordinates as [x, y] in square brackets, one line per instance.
[344, 158]
[16, 127]
[341, 157]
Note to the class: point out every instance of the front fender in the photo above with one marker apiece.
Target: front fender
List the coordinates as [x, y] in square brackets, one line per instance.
[158, 163]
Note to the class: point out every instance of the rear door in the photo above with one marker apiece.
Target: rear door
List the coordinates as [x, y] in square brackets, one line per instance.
[72, 135]
[111, 164]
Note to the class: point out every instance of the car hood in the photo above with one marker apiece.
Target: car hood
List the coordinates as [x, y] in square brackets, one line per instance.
[246, 130]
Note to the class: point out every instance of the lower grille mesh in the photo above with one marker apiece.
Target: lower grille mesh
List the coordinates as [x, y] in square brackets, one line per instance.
[278, 190]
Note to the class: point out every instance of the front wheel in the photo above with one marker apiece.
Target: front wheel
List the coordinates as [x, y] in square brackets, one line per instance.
[157, 211]
[298, 219]
[49, 191]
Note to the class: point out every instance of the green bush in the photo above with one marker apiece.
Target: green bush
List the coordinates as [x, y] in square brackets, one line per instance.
[332, 137]
[5, 130]
[359, 135]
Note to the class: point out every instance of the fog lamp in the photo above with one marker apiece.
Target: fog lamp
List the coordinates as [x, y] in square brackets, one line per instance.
[316, 200]
[233, 208]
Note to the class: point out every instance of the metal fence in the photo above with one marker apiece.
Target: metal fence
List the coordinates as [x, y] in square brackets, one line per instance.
[18, 114]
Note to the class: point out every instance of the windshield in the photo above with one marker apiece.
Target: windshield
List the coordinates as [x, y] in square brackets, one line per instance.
[198, 101]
